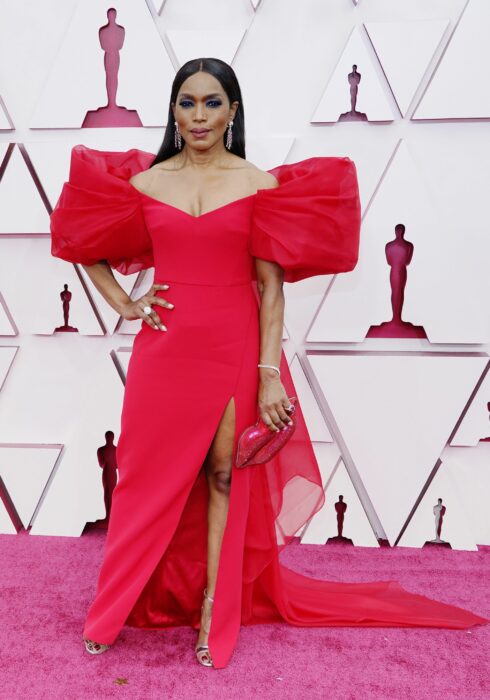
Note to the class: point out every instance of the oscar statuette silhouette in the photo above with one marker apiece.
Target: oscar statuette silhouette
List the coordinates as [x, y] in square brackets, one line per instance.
[106, 457]
[340, 508]
[354, 79]
[399, 253]
[65, 296]
[111, 37]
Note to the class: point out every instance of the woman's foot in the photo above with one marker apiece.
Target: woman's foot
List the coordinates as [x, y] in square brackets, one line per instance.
[202, 649]
[94, 647]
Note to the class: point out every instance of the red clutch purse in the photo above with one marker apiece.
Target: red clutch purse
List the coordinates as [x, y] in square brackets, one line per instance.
[258, 443]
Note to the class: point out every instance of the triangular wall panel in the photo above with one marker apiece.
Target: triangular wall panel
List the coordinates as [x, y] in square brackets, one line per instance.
[25, 470]
[395, 414]
[432, 297]
[74, 86]
[456, 526]
[475, 425]
[356, 525]
[405, 50]
[459, 88]
[372, 98]
[21, 207]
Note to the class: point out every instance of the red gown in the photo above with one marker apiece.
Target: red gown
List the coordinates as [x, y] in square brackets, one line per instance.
[178, 385]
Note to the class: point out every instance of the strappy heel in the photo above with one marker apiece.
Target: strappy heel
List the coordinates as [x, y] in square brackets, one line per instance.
[94, 647]
[202, 650]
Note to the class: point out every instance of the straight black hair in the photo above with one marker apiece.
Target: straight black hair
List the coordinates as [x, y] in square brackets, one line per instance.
[225, 74]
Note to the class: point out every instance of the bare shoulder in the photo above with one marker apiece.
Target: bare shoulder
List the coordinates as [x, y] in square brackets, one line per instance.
[262, 179]
[143, 180]
[268, 180]
[139, 179]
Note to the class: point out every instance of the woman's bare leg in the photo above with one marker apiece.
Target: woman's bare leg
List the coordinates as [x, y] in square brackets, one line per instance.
[218, 465]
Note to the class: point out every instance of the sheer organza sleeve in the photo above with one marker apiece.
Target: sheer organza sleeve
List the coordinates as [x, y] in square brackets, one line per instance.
[98, 215]
[309, 224]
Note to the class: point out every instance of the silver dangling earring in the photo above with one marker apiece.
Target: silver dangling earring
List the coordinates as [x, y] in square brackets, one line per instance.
[229, 135]
[177, 137]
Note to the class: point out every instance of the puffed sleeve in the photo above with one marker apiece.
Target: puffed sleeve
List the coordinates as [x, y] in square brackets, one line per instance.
[309, 224]
[98, 215]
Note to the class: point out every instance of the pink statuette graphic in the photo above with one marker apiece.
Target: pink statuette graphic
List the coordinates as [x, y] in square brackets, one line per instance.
[65, 299]
[111, 38]
[106, 457]
[399, 254]
[354, 79]
[340, 509]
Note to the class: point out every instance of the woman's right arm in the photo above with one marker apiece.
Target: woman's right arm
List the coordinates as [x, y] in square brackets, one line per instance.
[104, 281]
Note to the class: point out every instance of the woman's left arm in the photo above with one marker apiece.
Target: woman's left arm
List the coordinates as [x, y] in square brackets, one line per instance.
[272, 397]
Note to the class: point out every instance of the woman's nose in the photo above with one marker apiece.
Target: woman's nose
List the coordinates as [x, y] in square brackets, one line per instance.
[200, 111]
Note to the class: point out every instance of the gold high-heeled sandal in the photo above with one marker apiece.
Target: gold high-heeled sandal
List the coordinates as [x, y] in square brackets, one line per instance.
[202, 650]
[94, 647]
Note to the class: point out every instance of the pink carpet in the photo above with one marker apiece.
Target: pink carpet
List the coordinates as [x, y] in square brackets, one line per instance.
[47, 584]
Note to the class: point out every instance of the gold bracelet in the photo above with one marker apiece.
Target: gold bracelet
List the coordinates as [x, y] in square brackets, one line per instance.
[271, 367]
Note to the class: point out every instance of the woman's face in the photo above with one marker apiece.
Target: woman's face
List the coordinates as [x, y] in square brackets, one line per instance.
[202, 104]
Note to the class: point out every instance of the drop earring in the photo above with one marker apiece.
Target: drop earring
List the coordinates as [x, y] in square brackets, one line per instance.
[177, 137]
[229, 135]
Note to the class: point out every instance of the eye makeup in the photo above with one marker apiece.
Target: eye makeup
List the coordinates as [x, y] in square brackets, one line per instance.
[182, 103]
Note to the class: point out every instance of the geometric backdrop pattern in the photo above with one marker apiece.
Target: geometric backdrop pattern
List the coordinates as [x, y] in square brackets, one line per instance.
[390, 361]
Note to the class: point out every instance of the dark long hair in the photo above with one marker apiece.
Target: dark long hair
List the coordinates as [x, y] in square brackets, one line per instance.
[226, 75]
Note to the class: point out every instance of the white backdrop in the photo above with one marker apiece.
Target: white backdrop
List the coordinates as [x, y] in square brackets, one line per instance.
[396, 422]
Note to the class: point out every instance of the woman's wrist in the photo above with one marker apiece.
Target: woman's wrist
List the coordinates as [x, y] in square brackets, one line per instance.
[267, 374]
[120, 304]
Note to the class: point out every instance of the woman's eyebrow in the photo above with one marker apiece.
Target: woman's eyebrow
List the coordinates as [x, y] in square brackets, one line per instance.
[212, 94]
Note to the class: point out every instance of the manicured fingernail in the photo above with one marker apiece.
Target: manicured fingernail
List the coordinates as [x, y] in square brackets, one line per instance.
[170, 306]
[163, 328]
[165, 286]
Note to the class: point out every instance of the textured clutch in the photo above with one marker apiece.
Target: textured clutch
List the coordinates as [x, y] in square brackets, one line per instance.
[258, 443]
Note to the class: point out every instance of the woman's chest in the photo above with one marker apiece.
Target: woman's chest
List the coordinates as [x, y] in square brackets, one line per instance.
[214, 245]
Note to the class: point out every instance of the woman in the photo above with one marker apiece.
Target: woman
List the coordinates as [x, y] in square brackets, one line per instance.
[222, 235]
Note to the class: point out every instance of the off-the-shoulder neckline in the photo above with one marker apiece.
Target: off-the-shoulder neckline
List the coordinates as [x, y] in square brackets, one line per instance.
[186, 213]
[206, 213]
